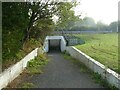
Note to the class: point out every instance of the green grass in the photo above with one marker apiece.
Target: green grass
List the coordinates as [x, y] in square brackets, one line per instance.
[101, 47]
[35, 65]
[28, 85]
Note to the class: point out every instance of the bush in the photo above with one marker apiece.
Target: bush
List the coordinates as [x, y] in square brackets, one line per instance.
[35, 64]
[14, 50]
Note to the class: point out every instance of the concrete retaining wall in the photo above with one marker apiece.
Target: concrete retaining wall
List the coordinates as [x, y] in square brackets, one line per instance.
[112, 77]
[12, 72]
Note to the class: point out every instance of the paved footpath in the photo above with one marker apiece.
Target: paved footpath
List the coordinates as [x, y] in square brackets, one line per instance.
[61, 73]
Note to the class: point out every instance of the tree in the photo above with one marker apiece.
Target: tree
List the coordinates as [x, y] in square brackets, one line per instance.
[43, 28]
[27, 14]
[24, 20]
[113, 26]
[39, 10]
[14, 15]
[89, 21]
[66, 15]
[86, 23]
[101, 26]
[14, 22]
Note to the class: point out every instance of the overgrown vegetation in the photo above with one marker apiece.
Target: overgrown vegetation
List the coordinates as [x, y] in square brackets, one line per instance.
[26, 24]
[35, 65]
[12, 54]
[101, 47]
[28, 85]
[96, 77]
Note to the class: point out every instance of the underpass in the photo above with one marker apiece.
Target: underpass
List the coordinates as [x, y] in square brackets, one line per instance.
[60, 72]
[54, 44]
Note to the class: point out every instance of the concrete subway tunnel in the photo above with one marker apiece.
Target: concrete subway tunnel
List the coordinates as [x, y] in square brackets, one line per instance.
[60, 71]
[54, 45]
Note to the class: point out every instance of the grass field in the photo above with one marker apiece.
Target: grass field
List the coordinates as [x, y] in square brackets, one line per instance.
[101, 47]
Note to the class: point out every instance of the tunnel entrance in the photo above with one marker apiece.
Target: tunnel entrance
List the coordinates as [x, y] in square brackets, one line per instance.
[54, 45]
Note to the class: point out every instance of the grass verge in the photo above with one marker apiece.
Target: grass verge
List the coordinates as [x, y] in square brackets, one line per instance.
[35, 65]
[28, 85]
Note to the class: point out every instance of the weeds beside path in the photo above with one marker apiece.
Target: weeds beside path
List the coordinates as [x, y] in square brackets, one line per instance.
[60, 73]
[34, 67]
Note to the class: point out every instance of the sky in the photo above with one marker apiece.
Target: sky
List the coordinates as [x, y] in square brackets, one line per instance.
[105, 11]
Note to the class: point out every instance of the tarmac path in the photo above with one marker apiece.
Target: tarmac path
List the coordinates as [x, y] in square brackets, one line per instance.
[61, 73]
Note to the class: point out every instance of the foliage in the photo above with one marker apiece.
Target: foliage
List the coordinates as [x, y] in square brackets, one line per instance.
[11, 44]
[65, 15]
[21, 22]
[14, 22]
[98, 79]
[25, 21]
[31, 44]
[35, 64]
[13, 52]
[88, 21]
[113, 26]
[101, 26]
[24, 16]
[14, 15]
[42, 29]
[88, 24]
[37, 11]
[28, 85]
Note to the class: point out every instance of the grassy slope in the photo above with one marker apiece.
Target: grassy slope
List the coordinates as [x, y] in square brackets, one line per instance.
[101, 47]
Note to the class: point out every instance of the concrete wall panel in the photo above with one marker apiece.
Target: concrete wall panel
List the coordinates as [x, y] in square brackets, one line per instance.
[12, 72]
[112, 77]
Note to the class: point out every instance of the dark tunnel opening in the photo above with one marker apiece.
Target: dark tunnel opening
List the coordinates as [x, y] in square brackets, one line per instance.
[55, 45]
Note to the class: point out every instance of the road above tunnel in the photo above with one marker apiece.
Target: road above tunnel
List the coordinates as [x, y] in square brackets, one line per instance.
[61, 73]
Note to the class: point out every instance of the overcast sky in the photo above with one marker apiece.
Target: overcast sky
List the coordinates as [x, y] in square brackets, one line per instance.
[100, 10]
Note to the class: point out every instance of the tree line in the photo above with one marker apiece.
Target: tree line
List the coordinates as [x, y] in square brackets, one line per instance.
[88, 24]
